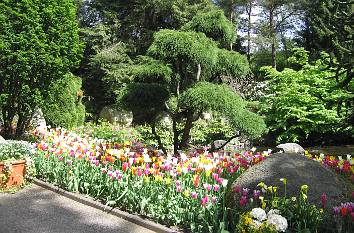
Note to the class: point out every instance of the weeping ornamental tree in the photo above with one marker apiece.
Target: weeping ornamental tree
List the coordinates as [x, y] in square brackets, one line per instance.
[181, 77]
[39, 43]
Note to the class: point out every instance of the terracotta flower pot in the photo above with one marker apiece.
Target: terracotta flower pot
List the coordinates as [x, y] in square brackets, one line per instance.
[17, 175]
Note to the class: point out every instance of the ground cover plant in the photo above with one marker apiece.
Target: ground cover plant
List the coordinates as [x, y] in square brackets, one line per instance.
[190, 190]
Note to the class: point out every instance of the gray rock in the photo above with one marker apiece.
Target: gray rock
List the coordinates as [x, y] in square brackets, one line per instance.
[291, 148]
[219, 143]
[37, 120]
[298, 170]
[114, 115]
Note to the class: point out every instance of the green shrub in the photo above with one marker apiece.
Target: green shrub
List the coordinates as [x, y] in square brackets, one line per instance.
[63, 106]
[206, 132]
[109, 132]
[305, 103]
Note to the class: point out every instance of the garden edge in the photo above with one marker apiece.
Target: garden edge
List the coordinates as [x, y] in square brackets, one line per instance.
[113, 211]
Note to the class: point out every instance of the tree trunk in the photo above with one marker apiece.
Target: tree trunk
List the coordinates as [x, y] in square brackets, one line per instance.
[186, 131]
[249, 12]
[232, 16]
[175, 136]
[8, 117]
[273, 38]
[158, 138]
[199, 72]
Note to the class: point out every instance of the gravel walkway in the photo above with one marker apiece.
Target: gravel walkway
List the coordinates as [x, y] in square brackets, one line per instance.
[37, 210]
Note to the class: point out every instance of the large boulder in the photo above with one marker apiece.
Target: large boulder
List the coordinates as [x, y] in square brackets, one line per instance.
[291, 148]
[114, 115]
[298, 170]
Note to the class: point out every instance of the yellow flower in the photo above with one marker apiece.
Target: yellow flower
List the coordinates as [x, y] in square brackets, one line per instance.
[168, 181]
[321, 210]
[283, 180]
[179, 169]
[263, 202]
[186, 193]
[146, 179]
[275, 189]
[270, 189]
[158, 178]
[261, 185]
[304, 188]
[207, 173]
[248, 220]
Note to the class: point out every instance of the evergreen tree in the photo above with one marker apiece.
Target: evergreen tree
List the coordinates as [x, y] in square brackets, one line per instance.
[39, 43]
[178, 80]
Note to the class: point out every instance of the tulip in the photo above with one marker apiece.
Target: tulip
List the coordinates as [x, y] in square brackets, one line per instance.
[243, 201]
[237, 189]
[256, 194]
[208, 187]
[344, 211]
[324, 199]
[204, 200]
[194, 195]
[179, 189]
[245, 191]
[336, 210]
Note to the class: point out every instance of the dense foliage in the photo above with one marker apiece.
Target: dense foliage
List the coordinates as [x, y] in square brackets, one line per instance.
[63, 106]
[302, 104]
[39, 43]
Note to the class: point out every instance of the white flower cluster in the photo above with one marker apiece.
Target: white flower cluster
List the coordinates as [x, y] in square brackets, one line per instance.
[15, 150]
[258, 214]
[273, 218]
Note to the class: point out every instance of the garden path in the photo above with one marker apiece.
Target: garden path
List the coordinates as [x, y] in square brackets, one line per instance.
[37, 210]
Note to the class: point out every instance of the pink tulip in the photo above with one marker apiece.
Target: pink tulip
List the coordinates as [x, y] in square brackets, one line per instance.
[179, 189]
[237, 189]
[194, 195]
[324, 199]
[207, 186]
[140, 172]
[204, 200]
[243, 201]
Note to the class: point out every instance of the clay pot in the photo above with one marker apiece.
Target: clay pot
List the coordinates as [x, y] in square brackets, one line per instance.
[17, 175]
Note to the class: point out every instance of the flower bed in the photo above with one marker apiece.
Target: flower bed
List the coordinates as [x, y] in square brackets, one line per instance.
[343, 166]
[190, 190]
[187, 191]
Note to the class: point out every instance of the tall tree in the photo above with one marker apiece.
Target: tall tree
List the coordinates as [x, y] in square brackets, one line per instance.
[277, 13]
[140, 19]
[179, 81]
[39, 43]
